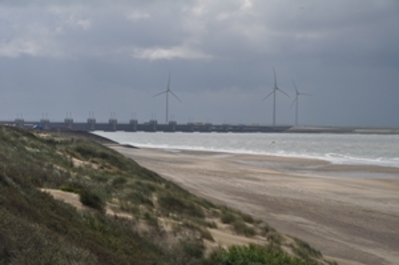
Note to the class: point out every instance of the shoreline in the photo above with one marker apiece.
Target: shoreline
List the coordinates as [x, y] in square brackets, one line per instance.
[346, 151]
[352, 220]
[317, 165]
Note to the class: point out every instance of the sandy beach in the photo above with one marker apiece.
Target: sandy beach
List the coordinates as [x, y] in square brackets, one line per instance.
[350, 213]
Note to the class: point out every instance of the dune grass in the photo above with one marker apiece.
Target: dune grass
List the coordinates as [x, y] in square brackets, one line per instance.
[37, 229]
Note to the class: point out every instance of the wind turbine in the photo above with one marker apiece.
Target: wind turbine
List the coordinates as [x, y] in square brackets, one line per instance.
[275, 88]
[296, 101]
[167, 91]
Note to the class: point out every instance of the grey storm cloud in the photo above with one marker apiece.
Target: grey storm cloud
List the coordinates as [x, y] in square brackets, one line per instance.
[113, 56]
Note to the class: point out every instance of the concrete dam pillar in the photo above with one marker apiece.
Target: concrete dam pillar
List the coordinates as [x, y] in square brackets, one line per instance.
[68, 123]
[153, 125]
[19, 123]
[45, 124]
[172, 126]
[113, 123]
[133, 125]
[92, 124]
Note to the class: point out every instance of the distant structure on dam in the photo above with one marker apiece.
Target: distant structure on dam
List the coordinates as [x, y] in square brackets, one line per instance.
[133, 126]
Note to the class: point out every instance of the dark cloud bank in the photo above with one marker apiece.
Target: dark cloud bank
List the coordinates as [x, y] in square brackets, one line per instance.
[79, 57]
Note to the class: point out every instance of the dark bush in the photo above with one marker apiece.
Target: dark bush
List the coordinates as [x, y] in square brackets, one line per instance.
[247, 218]
[118, 181]
[227, 217]
[193, 248]
[3, 181]
[178, 205]
[242, 229]
[85, 151]
[91, 199]
[139, 197]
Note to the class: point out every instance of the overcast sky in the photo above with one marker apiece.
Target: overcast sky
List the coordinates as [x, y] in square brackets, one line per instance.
[81, 56]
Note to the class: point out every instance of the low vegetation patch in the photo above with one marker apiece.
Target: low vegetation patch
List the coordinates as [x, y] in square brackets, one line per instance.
[71, 187]
[227, 217]
[177, 204]
[254, 254]
[91, 199]
[243, 229]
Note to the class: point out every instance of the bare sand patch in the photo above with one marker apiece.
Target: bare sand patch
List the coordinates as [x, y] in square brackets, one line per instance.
[354, 220]
[67, 197]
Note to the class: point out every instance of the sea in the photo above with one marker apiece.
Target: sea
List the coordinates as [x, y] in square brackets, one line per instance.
[349, 149]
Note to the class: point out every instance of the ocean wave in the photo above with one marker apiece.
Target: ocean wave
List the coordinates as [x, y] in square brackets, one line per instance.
[334, 158]
[381, 150]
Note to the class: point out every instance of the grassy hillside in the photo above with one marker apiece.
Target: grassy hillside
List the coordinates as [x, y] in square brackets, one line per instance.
[132, 215]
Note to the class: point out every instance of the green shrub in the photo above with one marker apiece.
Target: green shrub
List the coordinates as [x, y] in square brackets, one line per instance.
[118, 181]
[71, 187]
[85, 151]
[205, 203]
[247, 218]
[227, 217]
[193, 248]
[175, 204]
[102, 178]
[139, 197]
[91, 199]
[253, 254]
[242, 229]
[144, 186]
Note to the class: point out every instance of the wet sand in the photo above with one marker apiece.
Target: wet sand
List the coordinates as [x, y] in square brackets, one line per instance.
[350, 213]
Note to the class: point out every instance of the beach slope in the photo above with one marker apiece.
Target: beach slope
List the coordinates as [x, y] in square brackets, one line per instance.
[350, 213]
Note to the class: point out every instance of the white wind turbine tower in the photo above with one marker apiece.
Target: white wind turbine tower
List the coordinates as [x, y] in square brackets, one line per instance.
[296, 101]
[167, 91]
[275, 88]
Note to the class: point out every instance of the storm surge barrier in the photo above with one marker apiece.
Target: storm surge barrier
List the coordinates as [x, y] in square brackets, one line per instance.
[153, 126]
[134, 126]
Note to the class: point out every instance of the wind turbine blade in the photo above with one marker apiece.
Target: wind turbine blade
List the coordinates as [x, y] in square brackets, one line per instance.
[282, 92]
[174, 95]
[275, 79]
[269, 94]
[163, 92]
[292, 104]
[305, 94]
[168, 81]
[295, 86]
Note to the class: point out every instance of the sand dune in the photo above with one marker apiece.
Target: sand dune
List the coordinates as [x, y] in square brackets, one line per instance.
[350, 213]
